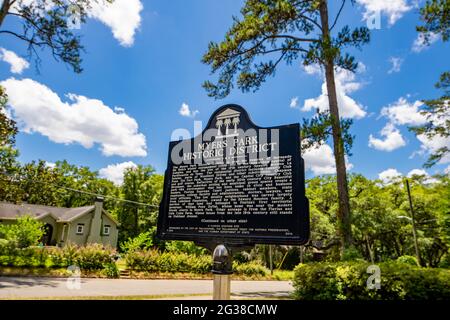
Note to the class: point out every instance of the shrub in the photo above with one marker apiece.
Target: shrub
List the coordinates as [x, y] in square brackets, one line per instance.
[155, 261]
[250, 269]
[445, 261]
[185, 247]
[6, 247]
[352, 254]
[90, 257]
[111, 270]
[142, 241]
[408, 260]
[93, 257]
[25, 232]
[333, 281]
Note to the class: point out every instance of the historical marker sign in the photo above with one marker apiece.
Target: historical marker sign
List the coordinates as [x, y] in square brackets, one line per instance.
[236, 183]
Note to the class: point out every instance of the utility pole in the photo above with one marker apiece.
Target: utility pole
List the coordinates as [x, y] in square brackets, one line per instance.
[413, 221]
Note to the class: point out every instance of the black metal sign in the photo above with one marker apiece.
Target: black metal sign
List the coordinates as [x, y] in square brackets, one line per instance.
[236, 183]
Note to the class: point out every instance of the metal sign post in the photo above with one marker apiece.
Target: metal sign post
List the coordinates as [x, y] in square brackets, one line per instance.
[222, 270]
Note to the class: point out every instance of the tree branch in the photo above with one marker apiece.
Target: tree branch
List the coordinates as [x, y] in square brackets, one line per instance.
[338, 15]
[21, 37]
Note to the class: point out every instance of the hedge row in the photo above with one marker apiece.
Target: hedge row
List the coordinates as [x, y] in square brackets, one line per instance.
[155, 261]
[348, 281]
[91, 257]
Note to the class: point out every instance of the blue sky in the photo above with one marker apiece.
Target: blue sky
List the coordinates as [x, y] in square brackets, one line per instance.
[141, 69]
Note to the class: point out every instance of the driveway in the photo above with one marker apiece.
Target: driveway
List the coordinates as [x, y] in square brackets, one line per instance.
[37, 287]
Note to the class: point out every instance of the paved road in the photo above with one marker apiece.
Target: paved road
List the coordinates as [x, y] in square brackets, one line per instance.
[27, 287]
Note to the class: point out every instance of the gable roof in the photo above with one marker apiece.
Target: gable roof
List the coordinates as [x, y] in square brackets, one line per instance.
[12, 211]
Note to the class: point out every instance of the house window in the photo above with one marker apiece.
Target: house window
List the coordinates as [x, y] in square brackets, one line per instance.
[80, 228]
[106, 230]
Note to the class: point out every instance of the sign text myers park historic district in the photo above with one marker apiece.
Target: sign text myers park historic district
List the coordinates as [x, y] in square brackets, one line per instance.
[237, 184]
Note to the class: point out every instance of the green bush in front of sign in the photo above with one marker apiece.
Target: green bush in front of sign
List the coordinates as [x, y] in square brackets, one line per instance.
[348, 281]
[90, 257]
[250, 269]
[156, 261]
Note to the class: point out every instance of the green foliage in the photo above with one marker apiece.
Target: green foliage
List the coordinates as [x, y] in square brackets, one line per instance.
[435, 15]
[408, 260]
[25, 232]
[111, 270]
[94, 257]
[90, 257]
[140, 184]
[8, 127]
[348, 281]
[185, 246]
[250, 269]
[156, 261]
[278, 30]
[445, 262]
[351, 254]
[142, 241]
[315, 131]
[47, 24]
[438, 120]
[380, 227]
[8, 153]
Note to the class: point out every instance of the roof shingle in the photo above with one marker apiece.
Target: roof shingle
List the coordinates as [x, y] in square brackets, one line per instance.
[13, 211]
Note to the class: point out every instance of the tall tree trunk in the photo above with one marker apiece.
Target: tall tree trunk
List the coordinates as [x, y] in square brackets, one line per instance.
[339, 154]
[4, 10]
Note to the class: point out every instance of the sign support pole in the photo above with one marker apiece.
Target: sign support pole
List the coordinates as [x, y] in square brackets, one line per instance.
[222, 270]
[221, 287]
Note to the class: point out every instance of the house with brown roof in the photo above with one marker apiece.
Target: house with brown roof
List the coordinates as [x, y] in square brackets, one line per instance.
[81, 226]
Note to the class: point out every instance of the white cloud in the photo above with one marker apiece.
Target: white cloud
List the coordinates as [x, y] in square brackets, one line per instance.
[447, 170]
[417, 172]
[313, 69]
[122, 16]
[51, 165]
[81, 120]
[17, 63]
[393, 139]
[393, 9]
[114, 172]
[432, 145]
[185, 111]
[420, 44]
[294, 102]
[396, 64]
[321, 160]
[345, 84]
[403, 112]
[420, 172]
[389, 175]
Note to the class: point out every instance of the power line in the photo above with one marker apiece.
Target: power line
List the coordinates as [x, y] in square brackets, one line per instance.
[13, 179]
